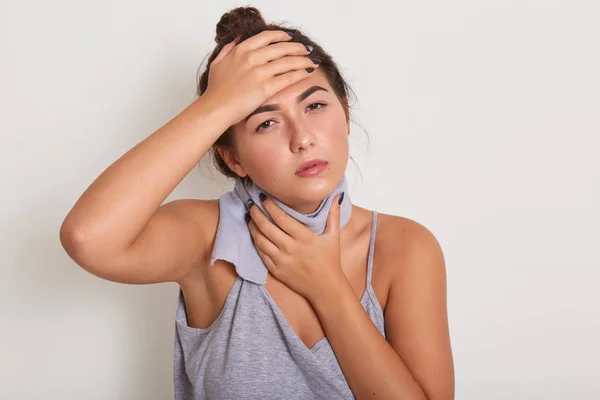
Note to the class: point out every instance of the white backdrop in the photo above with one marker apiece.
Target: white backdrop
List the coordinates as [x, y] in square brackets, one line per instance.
[483, 117]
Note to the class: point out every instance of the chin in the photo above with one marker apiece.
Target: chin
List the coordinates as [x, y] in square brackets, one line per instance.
[308, 189]
[317, 187]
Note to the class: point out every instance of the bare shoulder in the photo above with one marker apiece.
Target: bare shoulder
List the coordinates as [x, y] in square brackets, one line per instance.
[203, 217]
[203, 211]
[404, 244]
[416, 316]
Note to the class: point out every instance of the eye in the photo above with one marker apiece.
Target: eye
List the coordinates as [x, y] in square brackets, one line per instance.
[260, 127]
[319, 104]
[266, 125]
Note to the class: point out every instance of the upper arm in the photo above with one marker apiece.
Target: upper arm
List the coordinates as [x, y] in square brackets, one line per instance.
[173, 244]
[416, 317]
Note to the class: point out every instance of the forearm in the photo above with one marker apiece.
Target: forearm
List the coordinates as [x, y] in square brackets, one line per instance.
[370, 364]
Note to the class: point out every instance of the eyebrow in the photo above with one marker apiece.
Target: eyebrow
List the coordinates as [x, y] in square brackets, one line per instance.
[275, 107]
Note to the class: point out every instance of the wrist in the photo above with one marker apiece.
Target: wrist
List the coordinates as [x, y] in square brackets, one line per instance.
[215, 111]
[334, 293]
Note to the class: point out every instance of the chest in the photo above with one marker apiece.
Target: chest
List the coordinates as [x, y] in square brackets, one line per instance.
[205, 305]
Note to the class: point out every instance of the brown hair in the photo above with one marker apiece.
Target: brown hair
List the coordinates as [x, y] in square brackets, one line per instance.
[247, 22]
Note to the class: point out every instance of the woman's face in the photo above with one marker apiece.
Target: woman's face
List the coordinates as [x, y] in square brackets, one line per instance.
[271, 145]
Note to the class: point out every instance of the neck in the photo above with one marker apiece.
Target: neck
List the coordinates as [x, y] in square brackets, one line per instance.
[315, 218]
[306, 208]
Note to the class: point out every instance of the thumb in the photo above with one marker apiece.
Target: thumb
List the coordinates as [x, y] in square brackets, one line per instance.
[333, 219]
[226, 50]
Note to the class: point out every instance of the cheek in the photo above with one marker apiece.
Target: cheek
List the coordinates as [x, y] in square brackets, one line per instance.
[335, 123]
[336, 131]
[266, 159]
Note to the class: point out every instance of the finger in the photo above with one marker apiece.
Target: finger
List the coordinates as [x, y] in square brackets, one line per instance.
[226, 49]
[290, 226]
[267, 260]
[270, 230]
[287, 64]
[261, 241]
[333, 219]
[279, 50]
[264, 38]
[284, 80]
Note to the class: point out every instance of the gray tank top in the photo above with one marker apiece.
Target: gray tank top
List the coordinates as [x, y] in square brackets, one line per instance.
[251, 352]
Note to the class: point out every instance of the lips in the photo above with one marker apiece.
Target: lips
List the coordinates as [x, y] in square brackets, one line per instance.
[310, 163]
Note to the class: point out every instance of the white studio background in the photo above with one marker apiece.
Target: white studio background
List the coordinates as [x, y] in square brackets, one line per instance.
[483, 118]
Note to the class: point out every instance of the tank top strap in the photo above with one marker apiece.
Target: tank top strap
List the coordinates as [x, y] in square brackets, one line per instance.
[371, 247]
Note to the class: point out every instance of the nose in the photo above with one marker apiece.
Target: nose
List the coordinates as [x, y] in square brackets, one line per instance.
[302, 138]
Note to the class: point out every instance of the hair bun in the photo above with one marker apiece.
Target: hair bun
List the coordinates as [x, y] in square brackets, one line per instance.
[245, 21]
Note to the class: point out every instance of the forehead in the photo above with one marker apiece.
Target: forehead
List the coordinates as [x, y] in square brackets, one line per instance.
[289, 93]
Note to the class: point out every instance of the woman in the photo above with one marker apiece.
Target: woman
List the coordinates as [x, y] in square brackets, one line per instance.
[287, 289]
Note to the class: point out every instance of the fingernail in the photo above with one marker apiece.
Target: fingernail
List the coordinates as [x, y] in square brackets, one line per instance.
[250, 203]
[308, 47]
[289, 33]
[341, 198]
[247, 217]
[309, 70]
[315, 60]
[262, 197]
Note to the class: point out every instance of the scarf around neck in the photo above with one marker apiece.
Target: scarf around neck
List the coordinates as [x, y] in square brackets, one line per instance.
[233, 242]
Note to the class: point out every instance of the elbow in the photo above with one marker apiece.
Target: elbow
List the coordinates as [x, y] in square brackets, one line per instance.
[71, 238]
[75, 244]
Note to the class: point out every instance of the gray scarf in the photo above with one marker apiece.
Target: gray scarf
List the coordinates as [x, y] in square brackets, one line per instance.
[234, 243]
